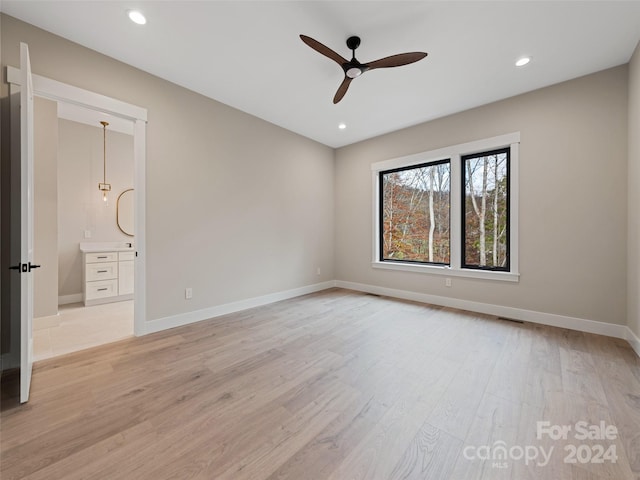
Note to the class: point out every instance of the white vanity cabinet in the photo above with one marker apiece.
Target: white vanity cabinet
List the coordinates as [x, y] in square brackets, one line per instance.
[107, 274]
[125, 273]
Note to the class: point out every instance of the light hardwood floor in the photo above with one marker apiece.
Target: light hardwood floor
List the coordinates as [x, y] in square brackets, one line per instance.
[336, 385]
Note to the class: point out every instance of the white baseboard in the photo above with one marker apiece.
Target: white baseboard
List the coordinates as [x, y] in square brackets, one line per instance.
[212, 312]
[47, 318]
[572, 323]
[562, 321]
[633, 340]
[67, 299]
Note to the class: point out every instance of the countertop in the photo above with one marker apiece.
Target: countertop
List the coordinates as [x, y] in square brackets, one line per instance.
[94, 247]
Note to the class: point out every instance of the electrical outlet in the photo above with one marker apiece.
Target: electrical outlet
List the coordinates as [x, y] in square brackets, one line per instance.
[87, 234]
[318, 271]
[188, 293]
[447, 282]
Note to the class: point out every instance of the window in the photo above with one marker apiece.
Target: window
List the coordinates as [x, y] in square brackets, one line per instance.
[485, 218]
[450, 211]
[414, 209]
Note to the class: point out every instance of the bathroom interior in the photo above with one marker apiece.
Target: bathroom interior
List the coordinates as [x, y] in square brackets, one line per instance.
[83, 228]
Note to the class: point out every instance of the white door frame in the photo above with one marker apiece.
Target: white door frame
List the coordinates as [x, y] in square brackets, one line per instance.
[58, 91]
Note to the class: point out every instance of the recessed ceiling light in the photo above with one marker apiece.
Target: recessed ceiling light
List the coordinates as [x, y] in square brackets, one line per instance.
[521, 62]
[137, 17]
[342, 126]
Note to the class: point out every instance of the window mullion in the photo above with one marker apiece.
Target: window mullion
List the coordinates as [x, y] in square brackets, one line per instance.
[377, 215]
[455, 218]
[514, 215]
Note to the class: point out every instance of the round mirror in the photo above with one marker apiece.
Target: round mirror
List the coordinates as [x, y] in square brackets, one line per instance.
[124, 212]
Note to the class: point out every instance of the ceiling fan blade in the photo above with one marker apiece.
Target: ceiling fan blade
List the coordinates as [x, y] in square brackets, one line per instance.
[342, 89]
[397, 60]
[324, 50]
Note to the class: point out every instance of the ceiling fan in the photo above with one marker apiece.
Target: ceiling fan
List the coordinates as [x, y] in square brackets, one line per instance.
[353, 68]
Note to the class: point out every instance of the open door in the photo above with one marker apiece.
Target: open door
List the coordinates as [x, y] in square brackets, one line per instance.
[26, 223]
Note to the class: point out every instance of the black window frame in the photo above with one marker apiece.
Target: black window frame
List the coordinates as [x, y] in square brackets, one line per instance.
[463, 212]
[381, 174]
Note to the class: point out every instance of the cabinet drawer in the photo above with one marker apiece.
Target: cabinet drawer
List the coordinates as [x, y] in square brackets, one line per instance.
[126, 256]
[101, 271]
[101, 257]
[101, 289]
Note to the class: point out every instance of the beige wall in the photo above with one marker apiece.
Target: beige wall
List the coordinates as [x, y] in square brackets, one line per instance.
[45, 226]
[633, 247]
[573, 157]
[80, 207]
[236, 207]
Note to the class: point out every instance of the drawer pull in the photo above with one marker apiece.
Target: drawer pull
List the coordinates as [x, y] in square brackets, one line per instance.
[102, 289]
[102, 271]
[103, 257]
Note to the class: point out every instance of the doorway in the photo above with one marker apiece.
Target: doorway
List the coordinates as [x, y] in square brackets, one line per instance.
[72, 152]
[137, 116]
[24, 87]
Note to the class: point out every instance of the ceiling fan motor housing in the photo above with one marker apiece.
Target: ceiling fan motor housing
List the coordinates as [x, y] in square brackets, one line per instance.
[353, 42]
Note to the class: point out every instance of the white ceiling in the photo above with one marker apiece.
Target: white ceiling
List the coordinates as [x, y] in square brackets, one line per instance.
[249, 55]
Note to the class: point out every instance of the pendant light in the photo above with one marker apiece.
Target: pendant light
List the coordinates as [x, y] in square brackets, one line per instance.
[104, 187]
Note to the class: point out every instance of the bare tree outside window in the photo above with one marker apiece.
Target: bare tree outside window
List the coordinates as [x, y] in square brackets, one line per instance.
[485, 210]
[415, 204]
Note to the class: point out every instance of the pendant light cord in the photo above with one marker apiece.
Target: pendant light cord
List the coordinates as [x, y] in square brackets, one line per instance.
[104, 151]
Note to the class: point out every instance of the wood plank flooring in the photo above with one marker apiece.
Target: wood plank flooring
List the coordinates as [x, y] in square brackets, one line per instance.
[337, 385]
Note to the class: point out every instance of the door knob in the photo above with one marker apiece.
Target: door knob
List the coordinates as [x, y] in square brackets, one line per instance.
[24, 267]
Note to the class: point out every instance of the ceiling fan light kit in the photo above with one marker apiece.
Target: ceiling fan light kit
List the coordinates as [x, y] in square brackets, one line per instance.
[353, 68]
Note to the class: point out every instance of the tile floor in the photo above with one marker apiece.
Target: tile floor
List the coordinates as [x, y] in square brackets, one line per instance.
[77, 327]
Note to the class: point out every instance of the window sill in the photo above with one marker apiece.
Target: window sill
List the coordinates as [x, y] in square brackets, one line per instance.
[448, 271]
